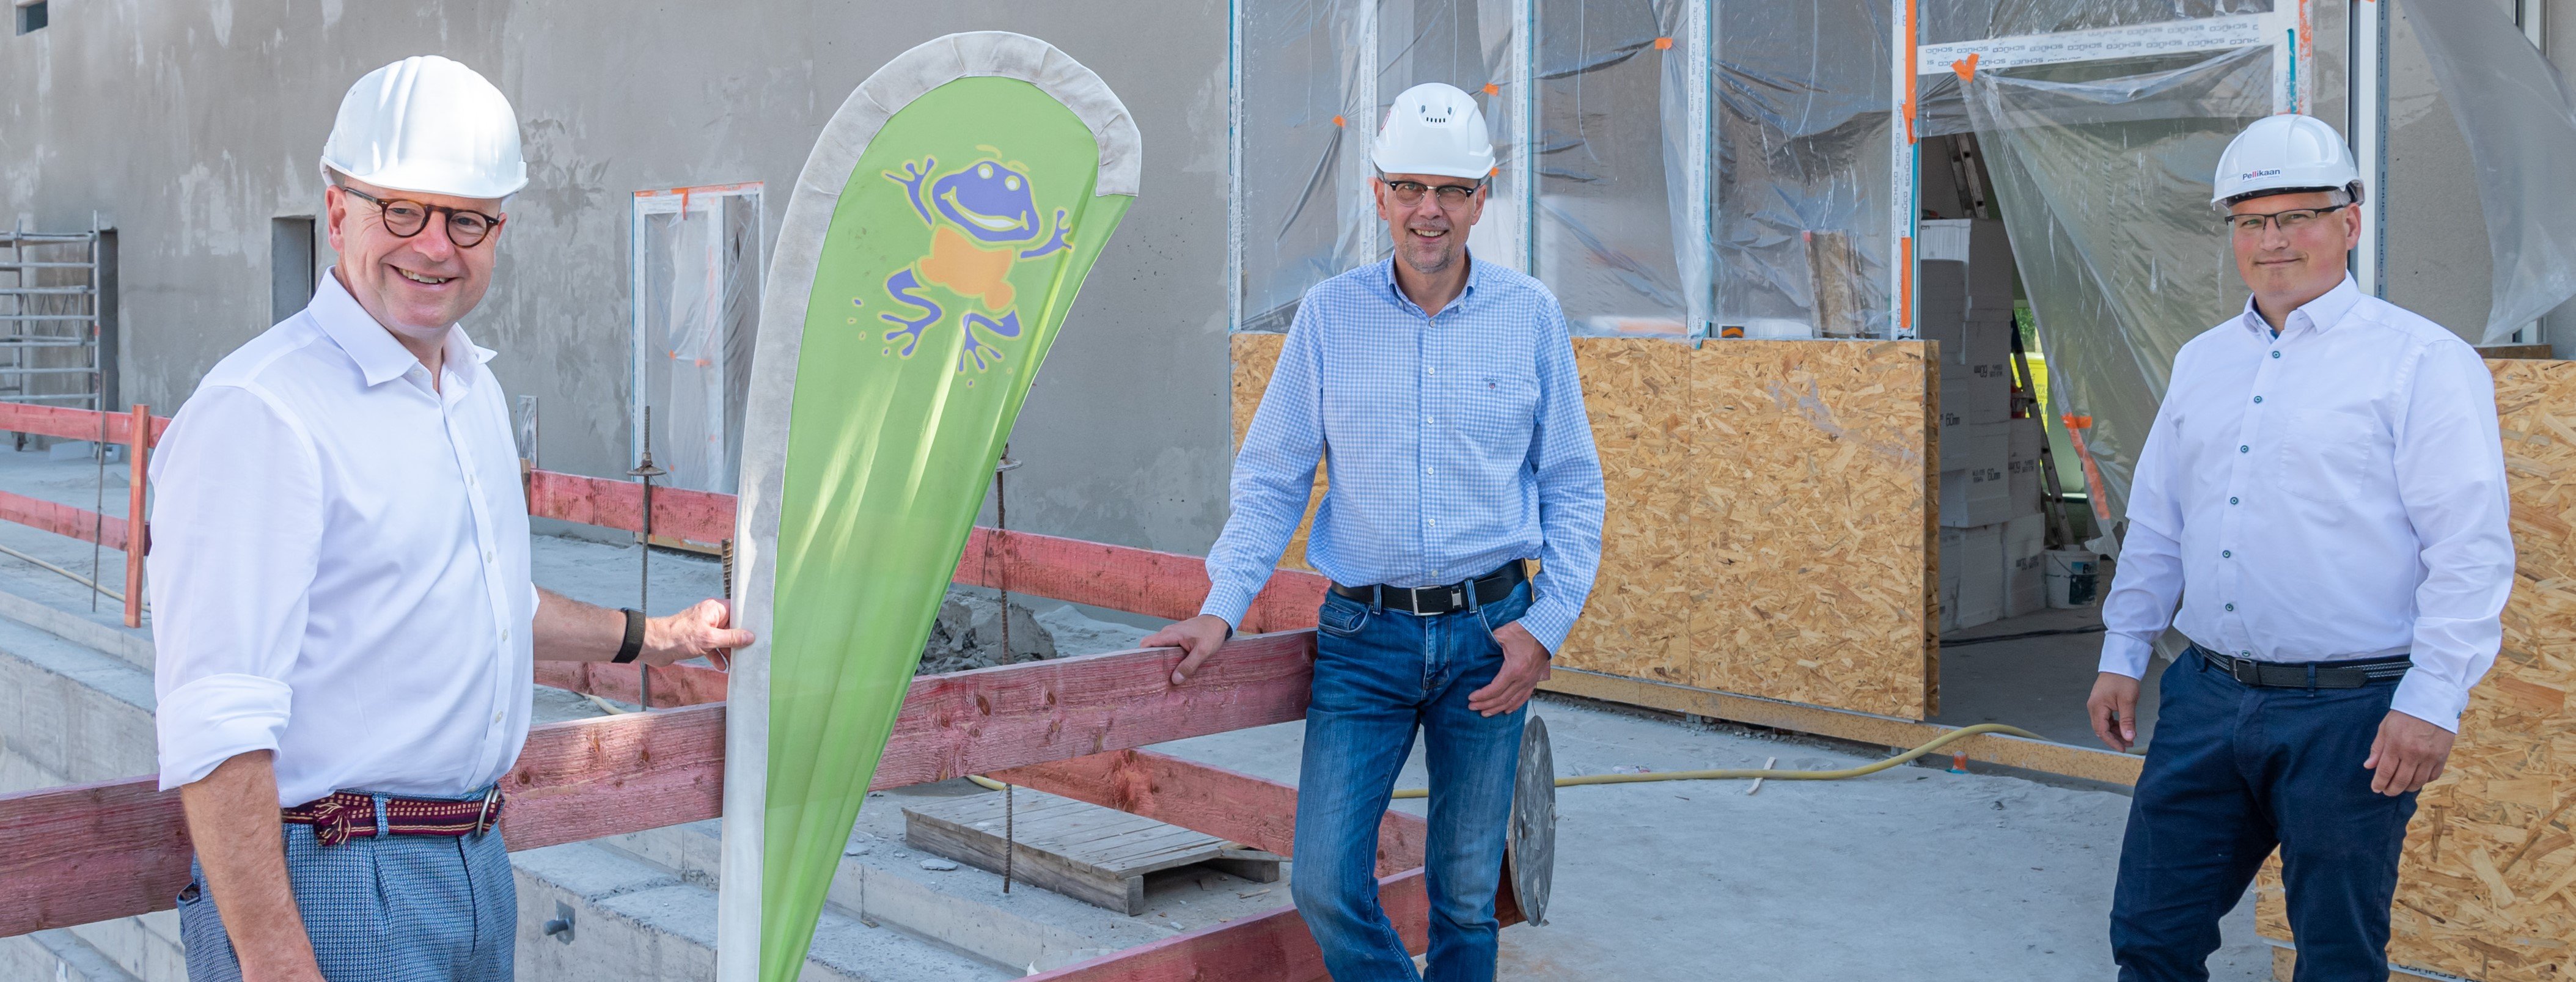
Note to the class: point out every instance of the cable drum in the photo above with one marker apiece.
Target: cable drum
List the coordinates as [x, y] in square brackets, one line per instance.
[1529, 846]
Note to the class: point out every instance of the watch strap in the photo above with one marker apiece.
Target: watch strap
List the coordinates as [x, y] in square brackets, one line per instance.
[634, 643]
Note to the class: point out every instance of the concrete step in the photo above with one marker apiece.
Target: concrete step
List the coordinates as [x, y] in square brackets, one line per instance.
[635, 920]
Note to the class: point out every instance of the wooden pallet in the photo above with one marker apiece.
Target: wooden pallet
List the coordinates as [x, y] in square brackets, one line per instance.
[1097, 855]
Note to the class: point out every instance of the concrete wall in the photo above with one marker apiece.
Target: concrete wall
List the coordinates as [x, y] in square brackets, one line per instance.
[189, 127]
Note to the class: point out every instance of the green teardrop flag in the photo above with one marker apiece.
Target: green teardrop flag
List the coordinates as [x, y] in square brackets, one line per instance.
[950, 258]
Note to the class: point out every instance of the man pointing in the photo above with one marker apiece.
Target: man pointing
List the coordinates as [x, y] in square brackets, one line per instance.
[344, 618]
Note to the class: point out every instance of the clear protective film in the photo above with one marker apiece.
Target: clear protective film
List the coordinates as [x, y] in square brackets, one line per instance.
[2514, 110]
[2101, 172]
[1801, 166]
[696, 310]
[1612, 218]
[1316, 78]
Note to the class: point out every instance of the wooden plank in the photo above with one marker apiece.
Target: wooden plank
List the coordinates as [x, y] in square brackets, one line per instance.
[699, 515]
[72, 424]
[1223, 803]
[673, 685]
[89, 853]
[1993, 748]
[970, 830]
[65, 520]
[1141, 581]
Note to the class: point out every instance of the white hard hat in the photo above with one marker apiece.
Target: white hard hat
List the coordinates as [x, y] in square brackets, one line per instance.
[1434, 129]
[430, 125]
[2288, 152]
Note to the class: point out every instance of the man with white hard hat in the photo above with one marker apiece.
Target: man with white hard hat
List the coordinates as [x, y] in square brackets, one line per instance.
[2323, 494]
[1442, 395]
[344, 618]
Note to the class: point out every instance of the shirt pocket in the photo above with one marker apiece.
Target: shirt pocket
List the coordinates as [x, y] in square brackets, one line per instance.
[1495, 411]
[2329, 455]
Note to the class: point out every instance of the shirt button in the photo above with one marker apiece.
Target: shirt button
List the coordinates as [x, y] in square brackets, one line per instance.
[2231, 501]
[2276, 354]
[2258, 398]
[2226, 554]
[2231, 606]
[496, 719]
[487, 555]
[2241, 448]
[505, 634]
[1435, 371]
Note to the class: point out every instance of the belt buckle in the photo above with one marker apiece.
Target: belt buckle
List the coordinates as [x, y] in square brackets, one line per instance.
[485, 816]
[1457, 598]
[2245, 670]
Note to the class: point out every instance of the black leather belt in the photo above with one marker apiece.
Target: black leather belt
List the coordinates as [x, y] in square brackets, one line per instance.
[2306, 675]
[1432, 601]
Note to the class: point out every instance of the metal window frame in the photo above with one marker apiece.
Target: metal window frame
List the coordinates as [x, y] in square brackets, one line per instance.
[665, 201]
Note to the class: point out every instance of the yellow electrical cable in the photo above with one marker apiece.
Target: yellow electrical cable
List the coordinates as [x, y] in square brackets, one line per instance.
[1746, 774]
[1730, 774]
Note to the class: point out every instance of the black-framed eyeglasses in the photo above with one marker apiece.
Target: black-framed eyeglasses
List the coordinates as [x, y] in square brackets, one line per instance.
[1410, 193]
[406, 218]
[2290, 221]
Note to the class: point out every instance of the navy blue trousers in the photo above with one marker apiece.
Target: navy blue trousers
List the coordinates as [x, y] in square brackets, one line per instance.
[2233, 772]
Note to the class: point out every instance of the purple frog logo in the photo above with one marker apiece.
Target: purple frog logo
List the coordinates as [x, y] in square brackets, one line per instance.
[983, 219]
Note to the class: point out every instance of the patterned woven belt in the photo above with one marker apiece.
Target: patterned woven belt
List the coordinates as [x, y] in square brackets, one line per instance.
[347, 814]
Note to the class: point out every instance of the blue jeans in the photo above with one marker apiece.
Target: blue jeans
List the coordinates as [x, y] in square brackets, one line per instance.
[2234, 771]
[1379, 674]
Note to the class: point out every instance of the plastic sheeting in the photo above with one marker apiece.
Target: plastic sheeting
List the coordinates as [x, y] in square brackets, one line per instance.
[1614, 234]
[1801, 147]
[697, 301]
[1316, 78]
[2513, 109]
[2101, 172]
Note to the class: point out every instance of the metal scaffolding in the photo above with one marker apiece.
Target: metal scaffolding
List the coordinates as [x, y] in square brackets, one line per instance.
[50, 315]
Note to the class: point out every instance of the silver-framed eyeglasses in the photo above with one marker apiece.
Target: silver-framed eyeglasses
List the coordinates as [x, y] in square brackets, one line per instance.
[2290, 221]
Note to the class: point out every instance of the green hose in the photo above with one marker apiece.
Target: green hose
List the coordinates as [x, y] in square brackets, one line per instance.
[1743, 773]
[1731, 774]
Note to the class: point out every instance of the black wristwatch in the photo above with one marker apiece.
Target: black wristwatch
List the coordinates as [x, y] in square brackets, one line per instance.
[634, 643]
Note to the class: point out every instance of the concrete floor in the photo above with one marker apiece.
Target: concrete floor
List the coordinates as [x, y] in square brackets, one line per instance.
[1913, 873]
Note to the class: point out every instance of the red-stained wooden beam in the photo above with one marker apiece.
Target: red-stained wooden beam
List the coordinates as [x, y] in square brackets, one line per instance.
[698, 516]
[673, 685]
[89, 853]
[72, 424]
[1139, 581]
[1273, 946]
[78, 523]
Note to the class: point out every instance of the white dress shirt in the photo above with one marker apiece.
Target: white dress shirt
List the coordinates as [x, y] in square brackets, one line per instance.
[340, 565]
[2334, 493]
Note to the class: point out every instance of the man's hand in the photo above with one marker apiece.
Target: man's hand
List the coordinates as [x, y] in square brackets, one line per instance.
[1525, 665]
[703, 629]
[1198, 638]
[2407, 755]
[2114, 710]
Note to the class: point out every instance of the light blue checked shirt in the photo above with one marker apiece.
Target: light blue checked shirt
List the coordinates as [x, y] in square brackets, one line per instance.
[1455, 444]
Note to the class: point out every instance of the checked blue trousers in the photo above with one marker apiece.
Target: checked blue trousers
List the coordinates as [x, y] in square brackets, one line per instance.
[389, 908]
[1379, 676]
[2234, 771]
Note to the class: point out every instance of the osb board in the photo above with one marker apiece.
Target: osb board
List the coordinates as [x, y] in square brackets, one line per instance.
[1770, 529]
[2487, 884]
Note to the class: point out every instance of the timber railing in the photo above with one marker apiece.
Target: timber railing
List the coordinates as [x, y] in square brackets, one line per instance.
[1070, 726]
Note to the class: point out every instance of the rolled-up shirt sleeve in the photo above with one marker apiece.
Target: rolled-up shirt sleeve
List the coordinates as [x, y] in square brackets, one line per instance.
[236, 530]
[1570, 497]
[2450, 473]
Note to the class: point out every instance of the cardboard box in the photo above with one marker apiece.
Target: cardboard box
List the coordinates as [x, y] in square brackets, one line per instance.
[1974, 486]
[2021, 464]
[1982, 248]
[2025, 565]
[1976, 557]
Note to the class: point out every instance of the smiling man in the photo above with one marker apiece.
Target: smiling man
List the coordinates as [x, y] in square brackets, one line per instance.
[1441, 392]
[2323, 493]
[343, 615]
